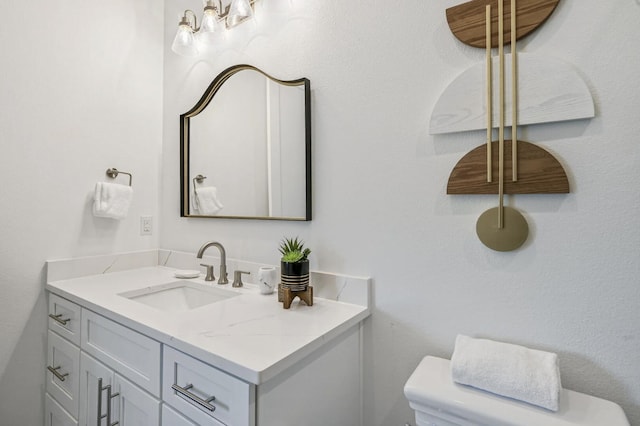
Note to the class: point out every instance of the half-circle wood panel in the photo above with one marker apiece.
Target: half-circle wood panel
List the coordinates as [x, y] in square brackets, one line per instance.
[539, 172]
[467, 20]
[549, 90]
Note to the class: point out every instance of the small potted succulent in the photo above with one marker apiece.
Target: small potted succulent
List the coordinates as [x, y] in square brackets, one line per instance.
[294, 264]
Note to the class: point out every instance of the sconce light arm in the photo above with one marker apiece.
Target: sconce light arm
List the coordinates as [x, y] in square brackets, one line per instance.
[189, 19]
[211, 5]
[221, 10]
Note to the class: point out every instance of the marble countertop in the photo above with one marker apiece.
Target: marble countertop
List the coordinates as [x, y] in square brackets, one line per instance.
[249, 336]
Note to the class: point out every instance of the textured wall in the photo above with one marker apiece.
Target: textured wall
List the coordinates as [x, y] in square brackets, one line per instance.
[81, 91]
[380, 208]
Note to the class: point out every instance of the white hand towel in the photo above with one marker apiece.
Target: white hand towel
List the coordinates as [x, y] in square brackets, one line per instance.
[207, 202]
[112, 200]
[509, 370]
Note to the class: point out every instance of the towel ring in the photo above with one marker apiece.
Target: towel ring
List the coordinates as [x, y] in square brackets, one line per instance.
[198, 179]
[113, 173]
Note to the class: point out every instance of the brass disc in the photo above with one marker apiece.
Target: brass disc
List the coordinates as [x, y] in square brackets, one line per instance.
[512, 235]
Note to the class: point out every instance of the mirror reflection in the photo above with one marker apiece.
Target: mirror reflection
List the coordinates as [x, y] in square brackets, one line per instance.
[245, 148]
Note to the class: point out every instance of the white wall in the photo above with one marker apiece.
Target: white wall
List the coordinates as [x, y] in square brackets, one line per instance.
[81, 91]
[72, 106]
[380, 208]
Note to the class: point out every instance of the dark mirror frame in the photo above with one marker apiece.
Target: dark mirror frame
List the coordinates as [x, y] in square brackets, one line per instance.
[204, 101]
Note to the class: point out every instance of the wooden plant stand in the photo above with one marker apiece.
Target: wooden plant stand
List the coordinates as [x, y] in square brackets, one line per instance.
[287, 296]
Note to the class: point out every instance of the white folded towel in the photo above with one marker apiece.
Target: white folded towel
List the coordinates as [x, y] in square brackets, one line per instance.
[206, 200]
[112, 200]
[509, 370]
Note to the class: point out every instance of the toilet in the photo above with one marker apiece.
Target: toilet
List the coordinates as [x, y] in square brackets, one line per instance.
[438, 401]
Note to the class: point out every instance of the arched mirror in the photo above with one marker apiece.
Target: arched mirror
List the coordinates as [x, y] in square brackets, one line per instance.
[245, 148]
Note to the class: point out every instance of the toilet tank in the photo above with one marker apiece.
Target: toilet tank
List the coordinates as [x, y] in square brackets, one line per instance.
[437, 401]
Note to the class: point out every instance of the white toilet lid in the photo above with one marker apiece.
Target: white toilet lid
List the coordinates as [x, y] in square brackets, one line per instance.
[431, 385]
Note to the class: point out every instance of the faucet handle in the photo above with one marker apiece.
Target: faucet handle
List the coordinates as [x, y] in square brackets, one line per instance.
[237, 278]
[209, 276]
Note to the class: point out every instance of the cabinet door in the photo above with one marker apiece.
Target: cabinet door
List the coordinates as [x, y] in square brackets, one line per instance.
[55, 415]
[94, 378]
[63, 363]
[133, 406]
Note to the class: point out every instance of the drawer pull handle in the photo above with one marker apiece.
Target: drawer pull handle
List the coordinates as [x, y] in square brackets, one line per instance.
[203, 402]
[59, 319]
[55, 372]
[110, 396]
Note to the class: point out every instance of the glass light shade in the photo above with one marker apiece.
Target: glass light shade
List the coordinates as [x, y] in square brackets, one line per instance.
[240, 10]
[208, 27]
[184, 43]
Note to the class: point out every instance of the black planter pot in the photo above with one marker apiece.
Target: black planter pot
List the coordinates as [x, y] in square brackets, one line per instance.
[295, 275]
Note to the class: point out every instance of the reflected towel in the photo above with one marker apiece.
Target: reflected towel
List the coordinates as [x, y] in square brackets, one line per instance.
[509, 370]
[112, 200]
[206, 200]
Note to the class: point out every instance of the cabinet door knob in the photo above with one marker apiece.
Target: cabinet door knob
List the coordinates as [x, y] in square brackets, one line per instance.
[55, 372]
[195, 398]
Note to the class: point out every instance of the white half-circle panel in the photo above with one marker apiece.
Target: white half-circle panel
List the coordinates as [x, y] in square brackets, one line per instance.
[549, 90]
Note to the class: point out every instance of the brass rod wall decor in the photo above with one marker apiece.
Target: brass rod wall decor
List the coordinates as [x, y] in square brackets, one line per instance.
[489, 75]
[501, 128]
[514, 96]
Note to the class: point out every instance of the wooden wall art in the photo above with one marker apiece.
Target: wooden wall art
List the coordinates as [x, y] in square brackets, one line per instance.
[468, 23]
[525, 89]
[538, 173]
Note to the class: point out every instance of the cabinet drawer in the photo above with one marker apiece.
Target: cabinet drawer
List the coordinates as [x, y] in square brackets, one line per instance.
[63, 364]
[196, 383]
[173, 418]
[64, 318]
[128, 352]
[55, 415]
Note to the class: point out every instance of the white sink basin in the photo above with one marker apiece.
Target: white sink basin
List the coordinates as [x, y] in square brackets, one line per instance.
[178, 295]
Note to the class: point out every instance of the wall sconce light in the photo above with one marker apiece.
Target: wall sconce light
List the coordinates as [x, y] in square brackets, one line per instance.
[189, 34]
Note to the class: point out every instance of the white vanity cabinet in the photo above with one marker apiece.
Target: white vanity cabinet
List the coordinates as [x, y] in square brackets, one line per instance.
[112, 378]
[240, 361]
[120, 376]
